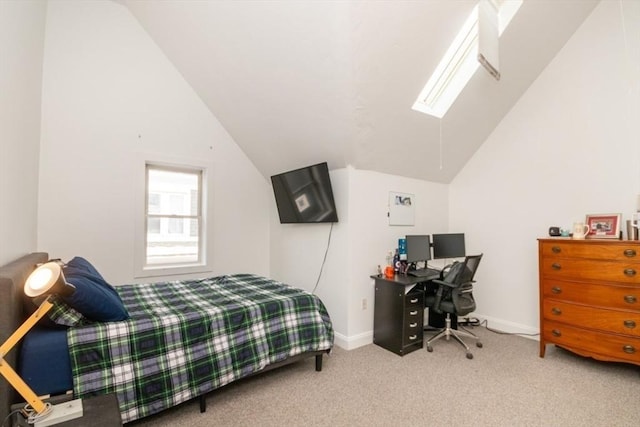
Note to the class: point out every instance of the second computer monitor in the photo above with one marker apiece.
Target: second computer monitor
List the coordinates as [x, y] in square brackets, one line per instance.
[418, 248]
[449, 245]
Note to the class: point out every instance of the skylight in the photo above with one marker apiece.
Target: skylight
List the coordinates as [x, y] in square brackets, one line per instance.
[460, 61]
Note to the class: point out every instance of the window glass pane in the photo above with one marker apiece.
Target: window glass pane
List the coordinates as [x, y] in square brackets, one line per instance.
[172, 192]
[171, 239]
[176, 225]
[154, 203]
[153, 225]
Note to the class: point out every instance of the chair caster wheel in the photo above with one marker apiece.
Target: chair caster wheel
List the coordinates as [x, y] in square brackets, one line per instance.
[469, 356]
[479, 344]
[429, 349]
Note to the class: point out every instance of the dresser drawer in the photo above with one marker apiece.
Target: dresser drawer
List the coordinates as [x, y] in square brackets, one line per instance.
[622, 322]
[600, 295]
[577, 268]
[611, 251]
[595, 344]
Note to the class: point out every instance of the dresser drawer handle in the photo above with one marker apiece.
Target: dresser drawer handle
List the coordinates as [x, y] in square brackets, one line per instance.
[556, 311]
[413, 313]
[412, 337]
[629, 349]
[556, 266]
[629, 324]
[414, 325]
[556, 290]
[631, 299]
[556, 249]
[413, 301]
[630, 253]
[629, 272]
[556, 333]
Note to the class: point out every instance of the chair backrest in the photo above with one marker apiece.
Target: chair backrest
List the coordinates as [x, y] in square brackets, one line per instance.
[464, 271]
[472, 262]
[461, 275]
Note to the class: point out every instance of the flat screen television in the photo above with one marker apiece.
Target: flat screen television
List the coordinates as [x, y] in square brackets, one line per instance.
[305, 195]
[449, 245]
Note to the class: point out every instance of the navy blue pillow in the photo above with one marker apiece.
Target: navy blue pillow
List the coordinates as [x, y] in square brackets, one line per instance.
[94, 297]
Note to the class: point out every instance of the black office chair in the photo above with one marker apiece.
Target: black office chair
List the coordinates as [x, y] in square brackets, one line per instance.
[454, 297]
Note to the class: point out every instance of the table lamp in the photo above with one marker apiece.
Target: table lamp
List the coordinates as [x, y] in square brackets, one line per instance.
[46, 280]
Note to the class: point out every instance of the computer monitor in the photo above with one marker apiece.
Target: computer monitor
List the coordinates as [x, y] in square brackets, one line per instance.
[449, 245]
[418, 248]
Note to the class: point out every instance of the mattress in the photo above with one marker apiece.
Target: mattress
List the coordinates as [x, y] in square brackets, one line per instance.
[44, 362]
[186, 338]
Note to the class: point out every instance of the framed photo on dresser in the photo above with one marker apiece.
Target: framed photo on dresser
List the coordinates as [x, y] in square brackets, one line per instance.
[604, 226]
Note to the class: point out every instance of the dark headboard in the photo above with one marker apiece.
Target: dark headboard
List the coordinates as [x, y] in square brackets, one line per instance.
[12, 278]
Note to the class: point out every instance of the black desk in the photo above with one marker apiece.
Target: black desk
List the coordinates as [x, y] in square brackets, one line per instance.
[398, 317]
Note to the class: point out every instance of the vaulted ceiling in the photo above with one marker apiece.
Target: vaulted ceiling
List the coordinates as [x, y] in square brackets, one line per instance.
[301, 82]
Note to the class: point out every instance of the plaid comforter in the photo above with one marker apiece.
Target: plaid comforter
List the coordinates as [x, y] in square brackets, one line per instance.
[186, 338]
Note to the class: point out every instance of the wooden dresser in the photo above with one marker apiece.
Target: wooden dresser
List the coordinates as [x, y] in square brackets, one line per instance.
[590, 297]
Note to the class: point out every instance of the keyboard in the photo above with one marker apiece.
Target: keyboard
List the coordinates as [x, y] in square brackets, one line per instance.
[425, 272]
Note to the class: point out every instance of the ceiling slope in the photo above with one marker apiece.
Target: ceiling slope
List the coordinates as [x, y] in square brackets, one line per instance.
[296, 83]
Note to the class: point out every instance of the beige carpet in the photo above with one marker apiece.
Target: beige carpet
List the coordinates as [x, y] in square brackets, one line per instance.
[506, 384]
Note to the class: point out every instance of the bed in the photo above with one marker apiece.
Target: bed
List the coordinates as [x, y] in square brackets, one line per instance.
[179, 341]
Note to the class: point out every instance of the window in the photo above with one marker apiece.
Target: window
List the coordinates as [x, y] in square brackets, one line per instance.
[173, 217]
[460, 62]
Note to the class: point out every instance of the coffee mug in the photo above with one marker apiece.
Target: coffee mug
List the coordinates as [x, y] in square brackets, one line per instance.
[389, 272]
[580, 230]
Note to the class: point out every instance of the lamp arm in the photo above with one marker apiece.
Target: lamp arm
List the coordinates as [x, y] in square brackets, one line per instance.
[21, 387]
[8, 372]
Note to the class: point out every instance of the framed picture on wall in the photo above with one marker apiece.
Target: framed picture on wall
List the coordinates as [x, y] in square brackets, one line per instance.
[604, 226]
[401, 208]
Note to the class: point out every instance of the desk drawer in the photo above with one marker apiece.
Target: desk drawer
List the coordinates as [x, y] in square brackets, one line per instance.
[414, 300]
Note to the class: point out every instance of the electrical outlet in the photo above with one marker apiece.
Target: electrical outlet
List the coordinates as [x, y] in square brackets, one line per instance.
[364, 303]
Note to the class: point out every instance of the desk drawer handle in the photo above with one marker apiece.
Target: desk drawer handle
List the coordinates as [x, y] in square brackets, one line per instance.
[556, 266]
[630, 253]
[415, 325]
[413, 313]
[556, 333]
[556, 311]
[412, 337]
[630, 299]
[413, 301]
[556, 249]
[629, 324]
[629, 349]
[629, 272]
[556, 290]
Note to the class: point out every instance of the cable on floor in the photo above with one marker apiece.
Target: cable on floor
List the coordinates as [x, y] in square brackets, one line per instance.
[476, 322]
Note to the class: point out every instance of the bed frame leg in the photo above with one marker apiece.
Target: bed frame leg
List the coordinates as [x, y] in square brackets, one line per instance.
[318, 362]
[203, 403]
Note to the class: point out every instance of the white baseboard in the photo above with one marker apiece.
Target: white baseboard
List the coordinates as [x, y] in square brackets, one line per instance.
[350, 343]
[365, 338]
[510, 327]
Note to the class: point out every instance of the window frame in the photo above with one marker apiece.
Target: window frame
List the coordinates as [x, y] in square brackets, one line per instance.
[141, 268]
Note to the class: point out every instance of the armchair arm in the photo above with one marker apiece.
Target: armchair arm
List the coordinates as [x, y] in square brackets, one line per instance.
[443, 283]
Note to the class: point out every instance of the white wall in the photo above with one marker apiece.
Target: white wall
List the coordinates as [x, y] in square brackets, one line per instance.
[569, 147]
[109, 94]
[359, 243]
[21, 47]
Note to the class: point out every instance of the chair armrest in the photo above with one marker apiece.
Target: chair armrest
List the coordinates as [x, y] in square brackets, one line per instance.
[442, 282]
